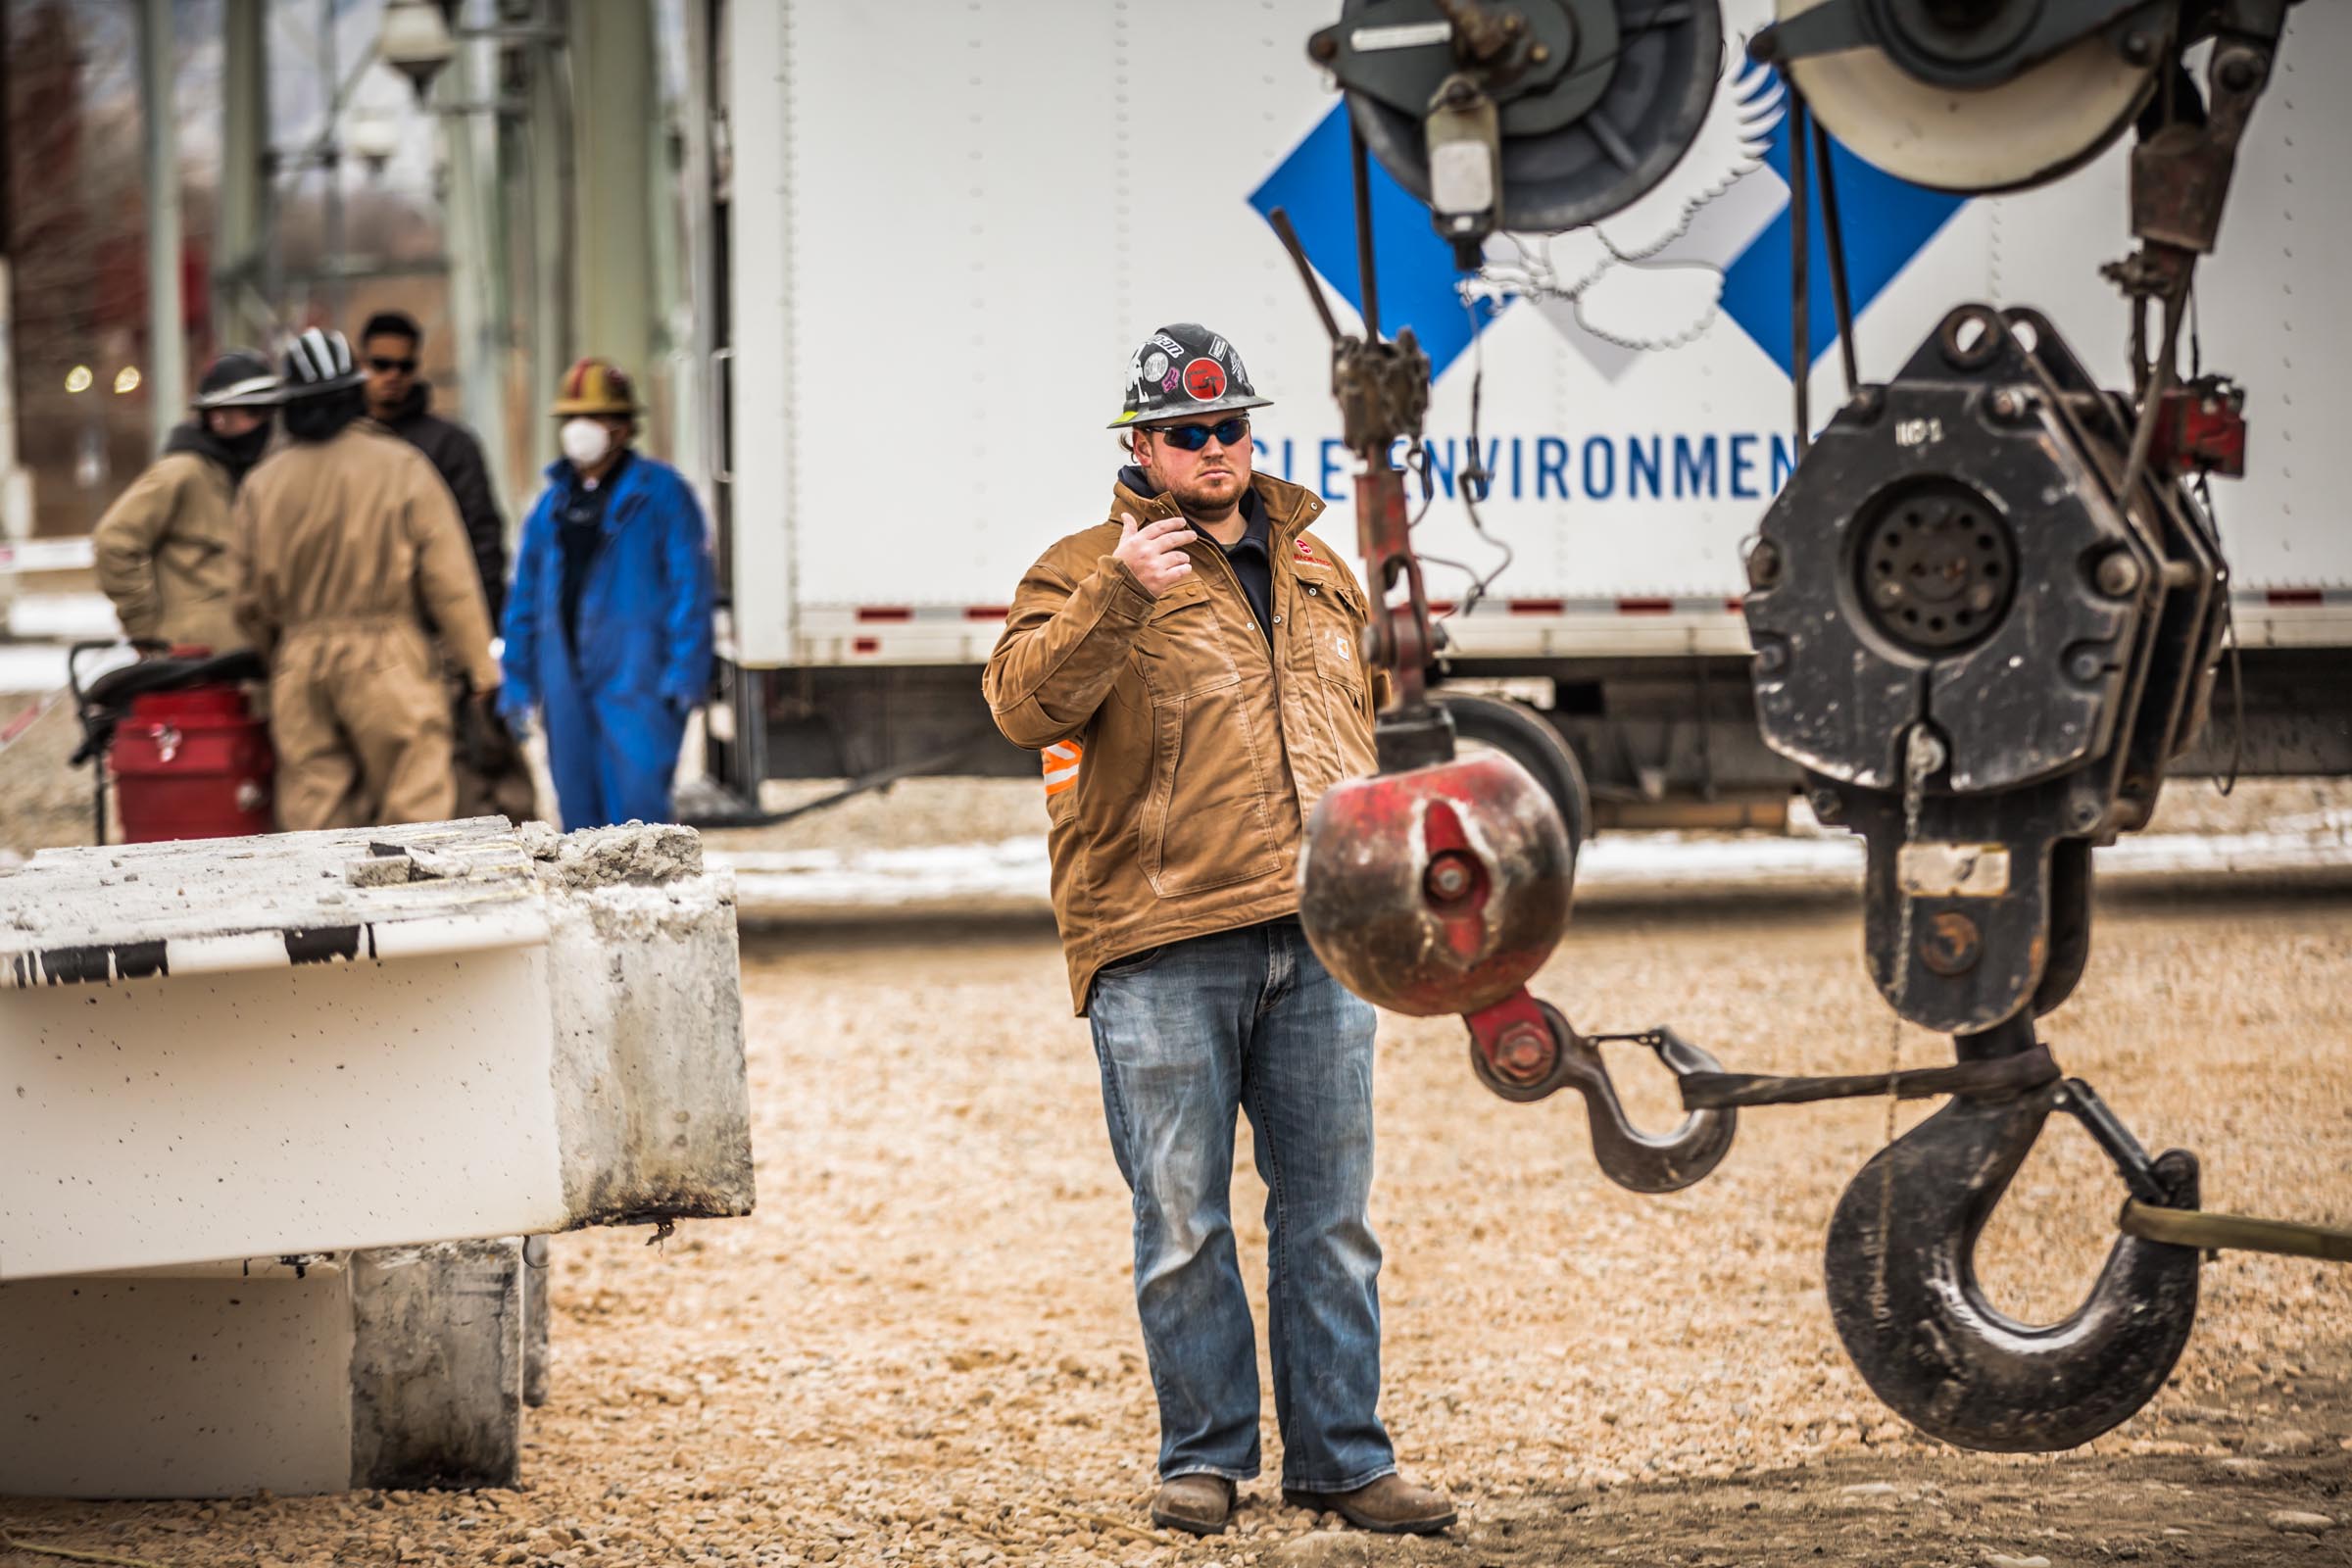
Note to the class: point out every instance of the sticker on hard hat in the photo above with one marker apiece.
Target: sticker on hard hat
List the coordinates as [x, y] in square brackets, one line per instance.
[1204, 379]
[1156, 367]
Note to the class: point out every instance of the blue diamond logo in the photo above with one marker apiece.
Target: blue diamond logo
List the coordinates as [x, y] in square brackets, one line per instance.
[1887, 223]
[1416, 270]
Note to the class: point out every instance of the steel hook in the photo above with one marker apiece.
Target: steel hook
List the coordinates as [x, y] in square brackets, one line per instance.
[1900, 1265]
[1628, 1155]
[1525, 1049]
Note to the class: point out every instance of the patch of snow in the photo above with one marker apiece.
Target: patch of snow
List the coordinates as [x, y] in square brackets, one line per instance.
[62, 617]
[1016, 869]
[42, 667]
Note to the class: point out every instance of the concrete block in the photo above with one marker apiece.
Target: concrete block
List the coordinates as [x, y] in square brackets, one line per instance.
[362, 1049]
[400, 1367]
[260, 1047]
[262, 1113]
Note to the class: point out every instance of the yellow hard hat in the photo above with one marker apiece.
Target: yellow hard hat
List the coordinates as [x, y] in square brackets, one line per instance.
[597, 389]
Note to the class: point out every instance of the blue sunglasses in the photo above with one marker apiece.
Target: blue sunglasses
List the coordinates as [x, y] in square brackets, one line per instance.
[1193, 437]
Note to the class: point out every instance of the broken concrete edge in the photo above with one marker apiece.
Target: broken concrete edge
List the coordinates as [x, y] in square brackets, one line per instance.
[649, 1030]
[637, 853]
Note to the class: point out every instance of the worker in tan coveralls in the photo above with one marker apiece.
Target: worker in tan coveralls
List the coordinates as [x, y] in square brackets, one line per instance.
[348, 540]
[163, 550]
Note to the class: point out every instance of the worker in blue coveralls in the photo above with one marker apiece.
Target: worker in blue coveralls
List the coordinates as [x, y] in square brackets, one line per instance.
[607, 625]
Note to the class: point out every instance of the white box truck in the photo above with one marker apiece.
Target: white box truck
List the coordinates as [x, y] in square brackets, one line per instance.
[941, 230]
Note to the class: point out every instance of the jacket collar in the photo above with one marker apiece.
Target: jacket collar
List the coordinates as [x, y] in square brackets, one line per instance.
[1290, 507]
[414, 407]
[232, 459]
[623, 489]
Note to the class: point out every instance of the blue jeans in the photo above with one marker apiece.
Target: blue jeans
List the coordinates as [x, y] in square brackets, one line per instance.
[1187, 1035]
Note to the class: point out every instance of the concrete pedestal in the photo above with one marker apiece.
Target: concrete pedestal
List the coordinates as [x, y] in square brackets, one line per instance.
[395, 1367]
[361, 1050]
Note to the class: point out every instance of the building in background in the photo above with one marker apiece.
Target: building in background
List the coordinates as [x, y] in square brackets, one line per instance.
[522, 201]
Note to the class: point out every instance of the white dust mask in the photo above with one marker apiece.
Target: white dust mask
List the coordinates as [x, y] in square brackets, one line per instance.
[585, 442]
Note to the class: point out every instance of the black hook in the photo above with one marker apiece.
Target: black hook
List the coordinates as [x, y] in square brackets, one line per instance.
[1626, 1155]
[1902, 1281]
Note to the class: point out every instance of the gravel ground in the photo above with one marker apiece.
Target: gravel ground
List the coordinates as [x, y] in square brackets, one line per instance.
[43, 803]
[922, 1350]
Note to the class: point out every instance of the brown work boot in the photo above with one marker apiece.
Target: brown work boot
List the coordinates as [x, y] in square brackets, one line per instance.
[1390, 1506]
[1197, 1504]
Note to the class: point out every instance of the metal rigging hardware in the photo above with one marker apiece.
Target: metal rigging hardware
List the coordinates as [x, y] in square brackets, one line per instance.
[1441, 884]
[1986, 614]
[1535, 114]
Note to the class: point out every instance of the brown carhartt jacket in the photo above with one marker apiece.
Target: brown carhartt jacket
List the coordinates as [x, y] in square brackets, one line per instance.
[164, 554]
[338, 534]
[1182, 752]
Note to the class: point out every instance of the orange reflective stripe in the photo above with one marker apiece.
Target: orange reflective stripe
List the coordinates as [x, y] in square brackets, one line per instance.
[1060, 761]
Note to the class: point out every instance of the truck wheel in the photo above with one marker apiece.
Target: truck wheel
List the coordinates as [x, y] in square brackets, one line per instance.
[1520, 733]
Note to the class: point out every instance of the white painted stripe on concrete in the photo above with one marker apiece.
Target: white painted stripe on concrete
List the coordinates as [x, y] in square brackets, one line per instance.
[510, 924]
[223, 953]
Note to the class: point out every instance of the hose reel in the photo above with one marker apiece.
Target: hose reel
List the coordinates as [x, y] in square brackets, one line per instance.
[1973, 96]
[1532, 115]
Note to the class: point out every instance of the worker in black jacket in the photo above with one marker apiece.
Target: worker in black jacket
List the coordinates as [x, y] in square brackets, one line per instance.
[492, 778]
[400, 401]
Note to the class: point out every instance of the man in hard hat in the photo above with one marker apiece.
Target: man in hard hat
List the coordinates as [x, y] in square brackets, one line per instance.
[491, 777]
[1190, 670]
[348, 542]
[608, 626]
[162, 548]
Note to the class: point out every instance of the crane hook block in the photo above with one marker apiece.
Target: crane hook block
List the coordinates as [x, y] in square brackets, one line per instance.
[1900, 1265]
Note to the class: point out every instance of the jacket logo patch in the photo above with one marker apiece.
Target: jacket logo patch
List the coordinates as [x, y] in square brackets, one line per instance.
[1347, 650]
[1060, 761]
[1305, 553]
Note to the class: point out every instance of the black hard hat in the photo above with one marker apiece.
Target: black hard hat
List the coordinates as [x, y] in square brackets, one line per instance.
[239, 379]
[318, 361]
[1185, 370]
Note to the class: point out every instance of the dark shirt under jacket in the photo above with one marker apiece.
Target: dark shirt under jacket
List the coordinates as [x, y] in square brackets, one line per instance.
[579, 531]
[1253, 560]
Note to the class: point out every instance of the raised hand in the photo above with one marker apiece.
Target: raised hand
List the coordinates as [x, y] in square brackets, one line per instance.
[1155, 552]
